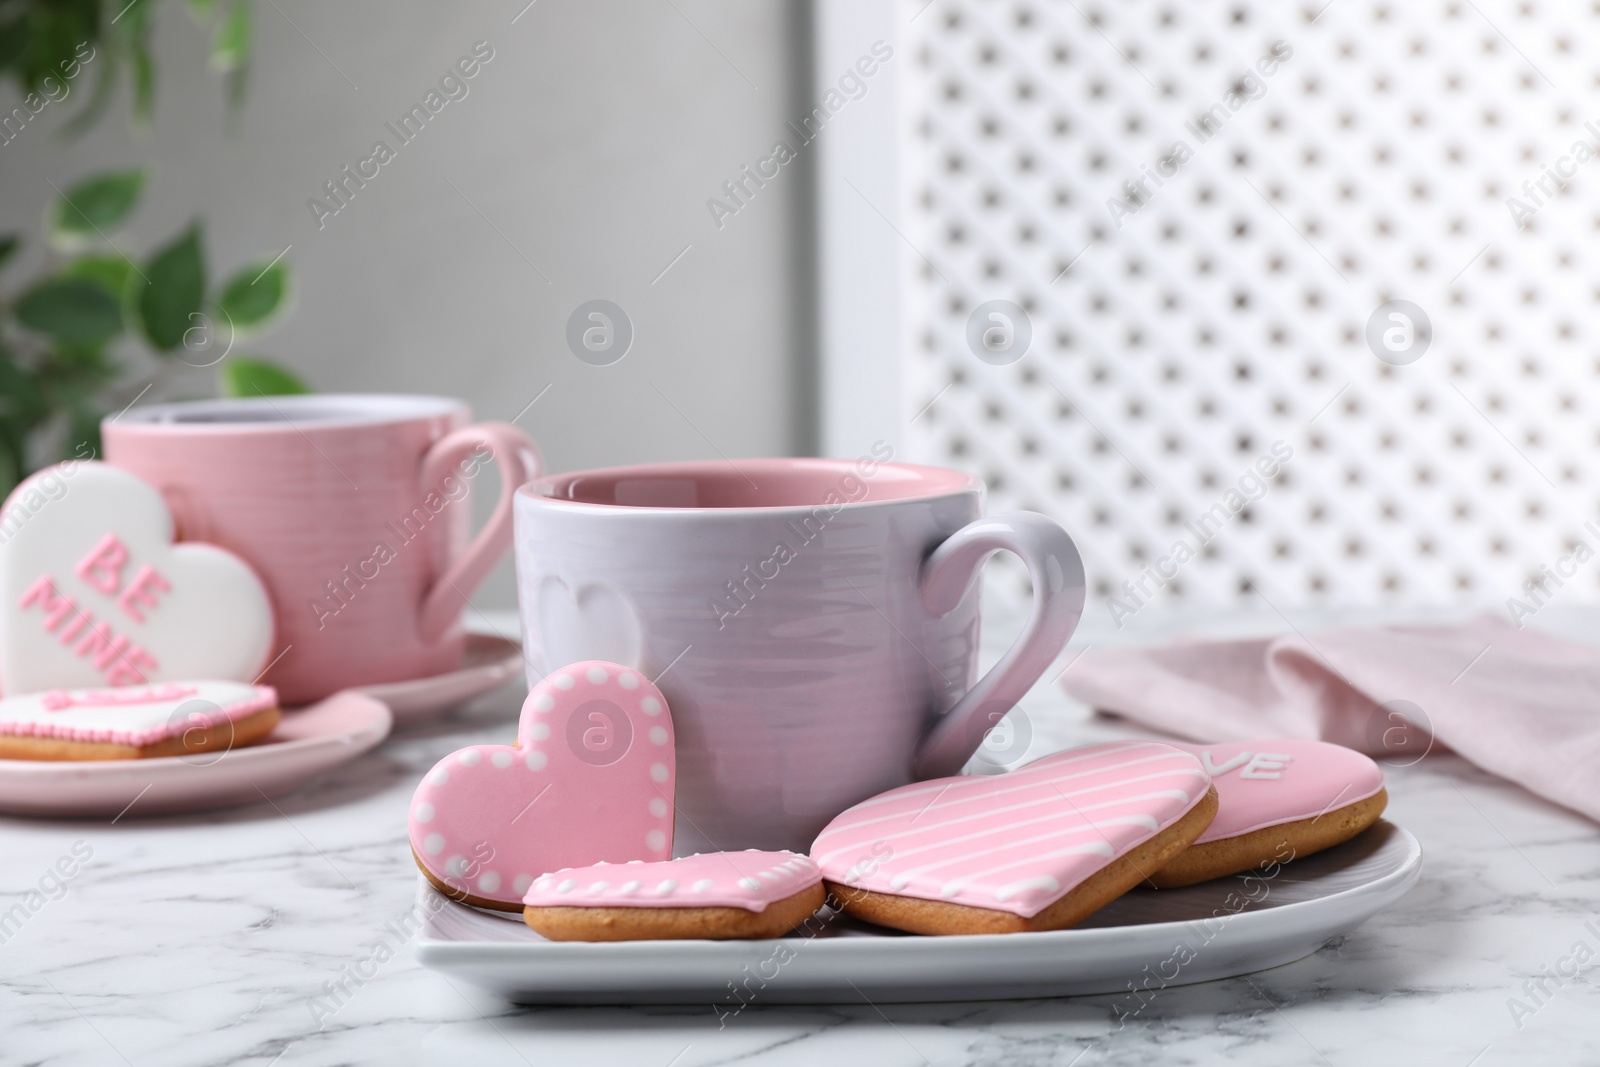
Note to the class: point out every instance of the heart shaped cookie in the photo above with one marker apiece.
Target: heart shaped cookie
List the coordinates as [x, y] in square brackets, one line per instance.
[1037, 849]
[590, 778]
[1276, 800]
[94, 592]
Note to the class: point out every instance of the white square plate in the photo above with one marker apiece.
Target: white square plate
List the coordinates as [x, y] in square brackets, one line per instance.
[1217, 929]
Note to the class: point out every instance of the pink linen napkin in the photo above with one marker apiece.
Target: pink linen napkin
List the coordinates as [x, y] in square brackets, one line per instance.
[1518, 703]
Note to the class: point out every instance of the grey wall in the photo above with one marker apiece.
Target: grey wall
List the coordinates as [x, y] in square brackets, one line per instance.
[589, 143]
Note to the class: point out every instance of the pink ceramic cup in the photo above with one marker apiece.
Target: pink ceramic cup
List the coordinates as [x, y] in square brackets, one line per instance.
[352, 509]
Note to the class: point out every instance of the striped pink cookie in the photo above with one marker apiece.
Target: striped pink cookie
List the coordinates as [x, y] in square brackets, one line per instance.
[716, 895]
[590, 779]
[1037, 849]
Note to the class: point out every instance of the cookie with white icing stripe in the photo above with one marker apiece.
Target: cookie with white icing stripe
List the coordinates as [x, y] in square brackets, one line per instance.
[590, 778]
[1040, 848]
[190, 719]
[714, 895]
[1276, 800]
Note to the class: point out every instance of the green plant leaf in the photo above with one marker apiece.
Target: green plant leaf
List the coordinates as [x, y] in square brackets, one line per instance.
[230, 48]
[72, 310]
[247, 376]
[95, 206]
[253, 295]
[237, 83]
[14, 40]
[144, 79]
[112, 271]
[80, 370]
[21, 404]
[105, 84]
[83, 429]
[175, 291]
[9, 474]
[202, 10]
[43, 36]
[8, 247]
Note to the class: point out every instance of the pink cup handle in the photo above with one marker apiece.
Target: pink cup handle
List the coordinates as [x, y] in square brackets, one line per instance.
[1058, 593]
[519, 462]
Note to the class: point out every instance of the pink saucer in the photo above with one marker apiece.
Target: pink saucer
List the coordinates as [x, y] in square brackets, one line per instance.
[307, 742]
[490, 661]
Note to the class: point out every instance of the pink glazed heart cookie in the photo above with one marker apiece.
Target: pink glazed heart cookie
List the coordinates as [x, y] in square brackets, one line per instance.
[1276, 800]
[1040, 848]
[590, 778]
[714, 895]
[93, 591]
[136, 722]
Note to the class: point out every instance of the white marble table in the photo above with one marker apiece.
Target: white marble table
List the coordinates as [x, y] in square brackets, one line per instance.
[210, 939]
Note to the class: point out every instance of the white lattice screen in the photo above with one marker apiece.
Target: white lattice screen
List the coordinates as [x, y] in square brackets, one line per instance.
[1230, 310]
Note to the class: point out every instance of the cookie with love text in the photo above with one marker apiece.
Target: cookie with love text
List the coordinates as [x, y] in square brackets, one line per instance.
[94, 591]
[195, 720]
[1040, 848]
[1276, 800]
[714, 895]
[591, 778]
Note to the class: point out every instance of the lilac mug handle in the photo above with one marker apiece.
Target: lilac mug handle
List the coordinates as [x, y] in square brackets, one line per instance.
[1058, 596]
[520, 462]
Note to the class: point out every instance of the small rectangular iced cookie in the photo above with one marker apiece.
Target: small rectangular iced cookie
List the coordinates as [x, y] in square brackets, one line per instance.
[713, 895]
[136, 722]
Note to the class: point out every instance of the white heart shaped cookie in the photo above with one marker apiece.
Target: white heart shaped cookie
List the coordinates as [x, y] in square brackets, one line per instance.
[93, 591]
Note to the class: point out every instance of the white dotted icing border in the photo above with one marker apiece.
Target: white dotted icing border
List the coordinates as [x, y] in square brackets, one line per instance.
[536, 759]
[800, 870]
[650, 705]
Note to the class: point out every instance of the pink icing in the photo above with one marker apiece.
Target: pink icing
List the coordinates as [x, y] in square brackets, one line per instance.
[102, 567]
[590, 778]
[1265, 783]
[750, 880]
[1015, 842]
[134, 717]
[60, 699]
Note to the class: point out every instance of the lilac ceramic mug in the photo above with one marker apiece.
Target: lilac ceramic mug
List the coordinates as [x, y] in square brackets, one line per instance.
[813, 623]
[353, 511]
